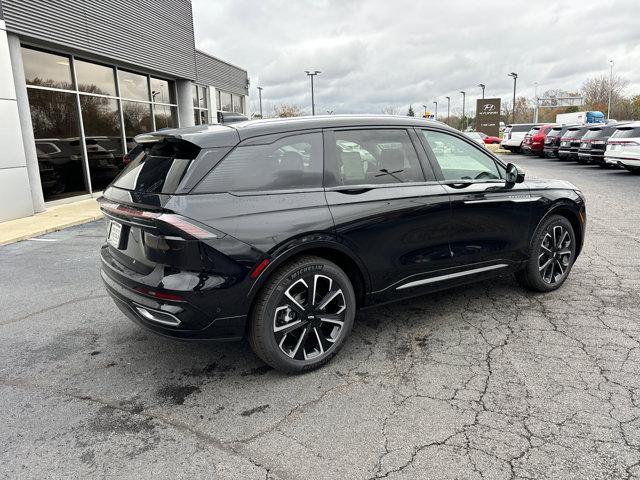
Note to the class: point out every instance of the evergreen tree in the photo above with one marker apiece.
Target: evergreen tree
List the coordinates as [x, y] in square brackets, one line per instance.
[410, 112]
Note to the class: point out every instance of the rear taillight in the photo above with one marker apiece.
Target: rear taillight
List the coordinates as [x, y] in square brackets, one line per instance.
[598, 142]
[624, 142]
[585, 140]
[176, 221]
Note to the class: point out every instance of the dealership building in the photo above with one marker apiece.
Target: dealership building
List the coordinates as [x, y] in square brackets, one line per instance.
[80, 79]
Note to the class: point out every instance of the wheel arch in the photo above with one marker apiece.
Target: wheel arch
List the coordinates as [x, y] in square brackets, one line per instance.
[571, 212]
[330, 250]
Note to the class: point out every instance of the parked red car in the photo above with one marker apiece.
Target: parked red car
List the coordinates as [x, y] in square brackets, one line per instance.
[533, 142]
[488, 139]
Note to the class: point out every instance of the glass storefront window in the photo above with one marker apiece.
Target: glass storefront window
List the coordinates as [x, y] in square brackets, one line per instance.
[94, 78]
[225, 102]
[237, 104]
[133, 86]
[195, 95]
[137, 120]
[165, 116]
[56, 129]
[46, 69]
[162, 91]
[101, 121]
[203, 97]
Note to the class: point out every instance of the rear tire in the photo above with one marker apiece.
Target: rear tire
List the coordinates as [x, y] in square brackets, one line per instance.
[303, 315]
[634, 170]
[551, 256]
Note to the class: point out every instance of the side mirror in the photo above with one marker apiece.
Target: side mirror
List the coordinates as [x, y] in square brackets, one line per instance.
[514, 174]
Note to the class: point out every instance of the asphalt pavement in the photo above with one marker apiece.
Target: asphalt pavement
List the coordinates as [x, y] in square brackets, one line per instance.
[481, 382]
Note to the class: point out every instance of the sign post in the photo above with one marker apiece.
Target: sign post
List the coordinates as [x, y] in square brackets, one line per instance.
[488, 116]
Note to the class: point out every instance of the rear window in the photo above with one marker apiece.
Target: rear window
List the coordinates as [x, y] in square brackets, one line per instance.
[268, 163]
[521, 128]
[534, 130]
[158, 167]
[626, 133]
[575, 133]
[595, 133]
[554, 132]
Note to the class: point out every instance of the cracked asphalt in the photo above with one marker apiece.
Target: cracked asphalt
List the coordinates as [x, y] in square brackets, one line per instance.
[482, 382]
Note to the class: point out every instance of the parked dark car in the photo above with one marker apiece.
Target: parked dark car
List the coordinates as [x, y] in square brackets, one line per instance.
[594, 143]
[552, 140]
[280, 230]
[570, 142]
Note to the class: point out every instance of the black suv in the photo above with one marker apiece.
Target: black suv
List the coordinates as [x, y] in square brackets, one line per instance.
[281, 230]
[570, 142]
[594, 143]
[552, 140]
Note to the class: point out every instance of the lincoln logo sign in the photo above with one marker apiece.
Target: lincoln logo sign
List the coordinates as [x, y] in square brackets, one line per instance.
[488, 116]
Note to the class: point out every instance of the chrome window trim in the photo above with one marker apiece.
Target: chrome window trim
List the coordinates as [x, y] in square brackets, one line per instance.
[450, 276]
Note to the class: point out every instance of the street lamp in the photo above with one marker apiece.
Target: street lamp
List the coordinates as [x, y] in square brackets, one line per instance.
[482, 85]
[260, 95]
[464, 118]
[535, 97]
[448, 104]
[610, 88]
[515, 78]
[436, 104]
[313, 104]
[425, 111]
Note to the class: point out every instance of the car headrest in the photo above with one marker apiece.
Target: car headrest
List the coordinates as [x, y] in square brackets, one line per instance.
[291, 161]
[352, 166]
[392, 159]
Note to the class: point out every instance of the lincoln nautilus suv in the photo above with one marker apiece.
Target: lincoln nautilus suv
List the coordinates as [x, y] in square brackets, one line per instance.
[281, 230]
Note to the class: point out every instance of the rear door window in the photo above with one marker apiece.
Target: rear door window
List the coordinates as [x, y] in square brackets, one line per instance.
[373, 157]
[269, 163]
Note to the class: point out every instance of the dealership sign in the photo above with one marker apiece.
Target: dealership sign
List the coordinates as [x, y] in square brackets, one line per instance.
[488, 116]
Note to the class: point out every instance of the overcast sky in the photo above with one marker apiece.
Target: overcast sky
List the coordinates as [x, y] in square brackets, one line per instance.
[378, 53]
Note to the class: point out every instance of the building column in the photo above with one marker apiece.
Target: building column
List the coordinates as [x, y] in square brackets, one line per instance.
[26, 127]
[185, 102]
[15, 197]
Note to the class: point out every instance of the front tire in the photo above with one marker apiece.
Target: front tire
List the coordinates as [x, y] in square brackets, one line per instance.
[303, 315]
[551, 256]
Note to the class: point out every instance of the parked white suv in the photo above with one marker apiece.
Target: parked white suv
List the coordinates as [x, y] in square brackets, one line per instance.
[514, 135]
[623, 147]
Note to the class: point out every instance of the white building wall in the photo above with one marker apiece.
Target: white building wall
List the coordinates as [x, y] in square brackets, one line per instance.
[15, 191]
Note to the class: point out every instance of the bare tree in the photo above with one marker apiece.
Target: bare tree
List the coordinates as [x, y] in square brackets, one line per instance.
[391, 110]
[596, 92]
[286, 110]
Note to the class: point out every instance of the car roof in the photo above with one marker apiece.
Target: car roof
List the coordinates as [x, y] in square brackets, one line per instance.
[224, 135]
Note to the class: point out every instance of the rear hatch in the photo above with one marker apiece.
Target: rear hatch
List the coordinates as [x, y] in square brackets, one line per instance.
[625, 141]
[144, 208]
[553, 137]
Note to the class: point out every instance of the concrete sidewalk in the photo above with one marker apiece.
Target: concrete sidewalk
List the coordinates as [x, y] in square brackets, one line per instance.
[53, 219]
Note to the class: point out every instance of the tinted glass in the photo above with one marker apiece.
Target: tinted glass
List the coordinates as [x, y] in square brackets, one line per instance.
[56, 129]
[626, 133]
[459, 160]
[533, 131]
[237, 104]
[162, 91]
[521, 128]
[101, 120]
[373, 157]
[202, 97]
[137, 118]
[225, 102]
[287, 163]
[194, 95]
[165, 116]
[46, 69]
[159, 168]
[133, 86]
[554, 132]
[598, 132]
[94, 78]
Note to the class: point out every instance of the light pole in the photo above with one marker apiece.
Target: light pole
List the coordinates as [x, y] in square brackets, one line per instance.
[260, 96]
[610, 88]
[515, 78]
[448, 104]
[313, 103]
[482, 85]
[464, 118]
[425, 111]
[436, 104]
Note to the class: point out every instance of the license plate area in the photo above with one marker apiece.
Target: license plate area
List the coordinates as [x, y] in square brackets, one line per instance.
[114, 235]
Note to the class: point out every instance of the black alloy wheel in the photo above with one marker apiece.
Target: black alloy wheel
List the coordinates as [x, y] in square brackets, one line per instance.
[302, 315]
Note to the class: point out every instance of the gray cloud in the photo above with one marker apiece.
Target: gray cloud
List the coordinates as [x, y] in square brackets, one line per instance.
[378, 53]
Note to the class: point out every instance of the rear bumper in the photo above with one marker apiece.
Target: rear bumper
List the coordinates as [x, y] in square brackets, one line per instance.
[182, 320]
[549, 151]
